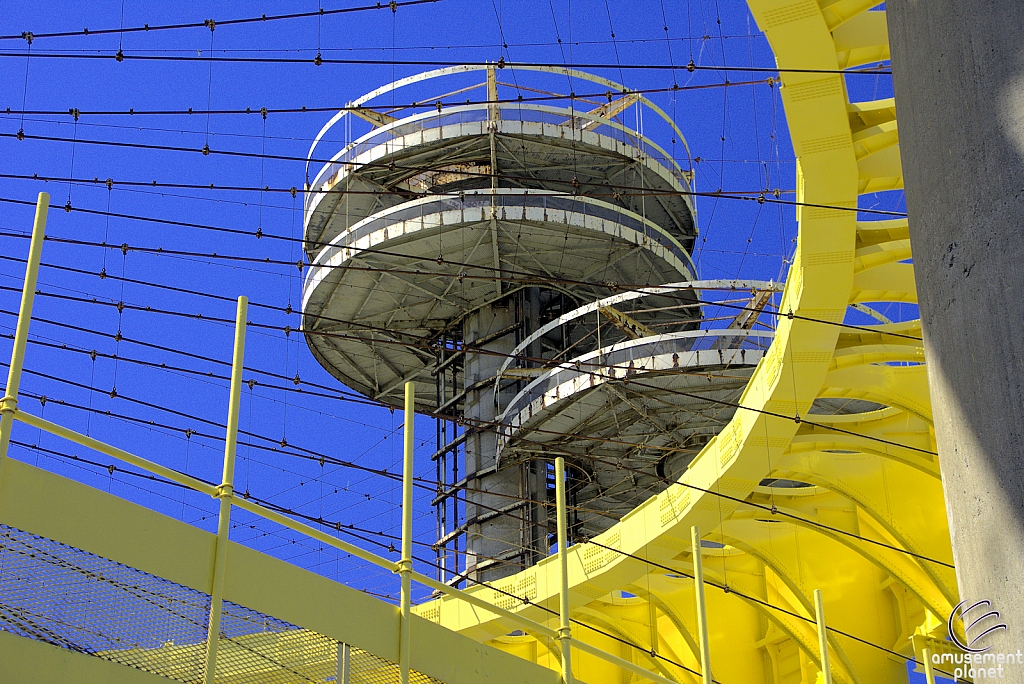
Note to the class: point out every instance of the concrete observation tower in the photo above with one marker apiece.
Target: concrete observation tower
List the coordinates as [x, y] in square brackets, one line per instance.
[514, 242]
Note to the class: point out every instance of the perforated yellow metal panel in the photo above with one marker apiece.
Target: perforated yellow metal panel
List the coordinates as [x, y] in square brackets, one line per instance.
[79, 601]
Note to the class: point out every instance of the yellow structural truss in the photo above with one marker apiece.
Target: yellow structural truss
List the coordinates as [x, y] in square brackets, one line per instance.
[845, 578]
[870, 535]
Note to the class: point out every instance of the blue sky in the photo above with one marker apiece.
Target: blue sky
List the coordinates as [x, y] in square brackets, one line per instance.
[739, 133]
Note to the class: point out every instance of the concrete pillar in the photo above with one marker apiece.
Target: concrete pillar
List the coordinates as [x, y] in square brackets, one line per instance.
[536, 533]
[489, 535]
[959, 78]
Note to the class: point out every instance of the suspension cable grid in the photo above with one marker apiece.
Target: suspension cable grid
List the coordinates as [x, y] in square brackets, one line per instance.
[596, 373]
[425, 483]
[354, 531]
[211, 24]
[529, 278]
[501, 64]
[494, 426]
[287, 330]
[790, 315]
[620, 190]
[427, 104]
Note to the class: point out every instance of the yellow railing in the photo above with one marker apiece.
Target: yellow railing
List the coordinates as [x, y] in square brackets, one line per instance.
[224, 493]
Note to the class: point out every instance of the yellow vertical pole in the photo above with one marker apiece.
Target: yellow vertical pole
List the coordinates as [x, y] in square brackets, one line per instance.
[564, 626]
[702, 611]
[819, 615]
[9, 403]
[929, 671]
[344, 674]
[405, 564]
[225, 492]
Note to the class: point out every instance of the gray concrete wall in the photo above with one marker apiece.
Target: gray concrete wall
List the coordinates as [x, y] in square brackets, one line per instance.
[489, 535]
[959, 77]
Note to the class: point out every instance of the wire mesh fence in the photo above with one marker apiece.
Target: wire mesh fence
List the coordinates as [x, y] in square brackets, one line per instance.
[77, 600]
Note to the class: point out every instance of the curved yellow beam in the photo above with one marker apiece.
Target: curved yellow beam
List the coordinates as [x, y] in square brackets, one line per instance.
[875, 473]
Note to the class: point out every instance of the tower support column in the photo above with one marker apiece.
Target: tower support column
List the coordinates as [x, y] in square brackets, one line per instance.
[490, 535]
[959, 81]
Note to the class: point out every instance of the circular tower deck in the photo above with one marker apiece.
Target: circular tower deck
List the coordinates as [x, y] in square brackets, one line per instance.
[504, 254]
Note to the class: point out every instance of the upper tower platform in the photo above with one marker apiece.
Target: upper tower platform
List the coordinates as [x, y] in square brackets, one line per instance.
[495, 236]
[467, 193]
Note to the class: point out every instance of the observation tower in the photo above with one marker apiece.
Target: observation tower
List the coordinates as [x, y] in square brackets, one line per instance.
[517, 243]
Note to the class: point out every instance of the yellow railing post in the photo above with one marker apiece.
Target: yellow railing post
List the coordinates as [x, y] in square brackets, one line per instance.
[344, 669]
[218, 491]
[819, 615]
[405, 564]
[702, 612]
[564, 626]
[9, 404]
[929, 671]
[225, 492]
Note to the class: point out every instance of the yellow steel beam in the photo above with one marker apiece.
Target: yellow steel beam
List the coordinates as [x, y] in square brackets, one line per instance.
[564, 625]
[225, 492]
[871, 474]
[702, 611]
[405, 564]
[620, 662]
[69, 512]
[120, 454]
[9, 404]
[27, 660]
[929, 670]
[819, 616]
